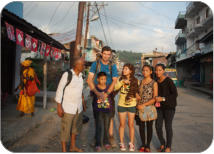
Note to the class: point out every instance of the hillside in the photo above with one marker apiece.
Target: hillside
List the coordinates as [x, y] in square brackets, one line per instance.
[129, 57]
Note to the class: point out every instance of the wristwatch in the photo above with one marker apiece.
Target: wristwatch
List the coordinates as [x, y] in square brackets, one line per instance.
[163, 99]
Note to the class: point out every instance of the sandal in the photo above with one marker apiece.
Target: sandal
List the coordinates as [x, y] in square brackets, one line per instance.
[122, 147]
[147, 150]
[142, 149]
[76, 150]
[131, 147]
[162, 148]
[167, 149]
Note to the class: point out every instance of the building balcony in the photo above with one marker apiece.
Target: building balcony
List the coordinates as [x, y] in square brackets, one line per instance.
[208, 22]
[181, 22]
[193, 8]
[191, 33]
[199, 28]
[180, 38]
[181, 56]
[207, 48]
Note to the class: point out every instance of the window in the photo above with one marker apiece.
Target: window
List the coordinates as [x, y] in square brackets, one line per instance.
[198, 20]
[207, 13]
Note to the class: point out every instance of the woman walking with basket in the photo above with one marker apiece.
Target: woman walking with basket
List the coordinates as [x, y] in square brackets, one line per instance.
[146, 109]
[167, 94]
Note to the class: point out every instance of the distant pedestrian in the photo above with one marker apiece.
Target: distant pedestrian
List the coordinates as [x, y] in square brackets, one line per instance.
[102, 109]
[28, 89]
[167, 94]
[128, 86]
[148, 91]
[70, 104]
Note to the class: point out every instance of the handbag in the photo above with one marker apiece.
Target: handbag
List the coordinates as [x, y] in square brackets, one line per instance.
[31, 86]
[148, 113]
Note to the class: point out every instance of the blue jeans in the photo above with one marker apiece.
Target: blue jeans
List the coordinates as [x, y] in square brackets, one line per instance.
[102, 118]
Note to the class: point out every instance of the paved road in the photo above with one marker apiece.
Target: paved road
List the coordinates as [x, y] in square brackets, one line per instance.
[193, 129]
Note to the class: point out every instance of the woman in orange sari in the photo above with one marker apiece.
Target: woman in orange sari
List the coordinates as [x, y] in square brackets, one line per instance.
[26, 102]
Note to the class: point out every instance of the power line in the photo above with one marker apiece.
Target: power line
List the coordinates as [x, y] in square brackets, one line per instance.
[141, 24]
[54, 13]
[130, 24]
[31, 10]
[66, 14]
[101, 23]
[108, 26]
[157, 12]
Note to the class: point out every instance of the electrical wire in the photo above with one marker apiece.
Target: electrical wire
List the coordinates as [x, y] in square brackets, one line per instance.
[66, 14]
[101, 23]
[157, 12]
[108, 26]
[31, 10]
[54, 13]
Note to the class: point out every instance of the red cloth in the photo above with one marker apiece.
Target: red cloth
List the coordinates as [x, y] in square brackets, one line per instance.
[28, 39]
[34, 45]
[43, 48]
[19, 37]
[10, 31]
[48, 50]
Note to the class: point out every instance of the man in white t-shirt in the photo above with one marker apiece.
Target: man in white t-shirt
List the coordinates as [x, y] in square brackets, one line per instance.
[70, 105]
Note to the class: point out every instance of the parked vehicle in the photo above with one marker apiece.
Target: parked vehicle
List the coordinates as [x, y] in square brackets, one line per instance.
[172, 73]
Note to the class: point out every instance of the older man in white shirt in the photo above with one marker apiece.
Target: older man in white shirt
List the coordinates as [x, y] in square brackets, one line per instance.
[70, 105]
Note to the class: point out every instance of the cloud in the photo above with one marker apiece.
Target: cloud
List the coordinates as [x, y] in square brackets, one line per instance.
[132, 26]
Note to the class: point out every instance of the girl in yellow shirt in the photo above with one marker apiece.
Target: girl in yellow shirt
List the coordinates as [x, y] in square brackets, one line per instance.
[128, 87]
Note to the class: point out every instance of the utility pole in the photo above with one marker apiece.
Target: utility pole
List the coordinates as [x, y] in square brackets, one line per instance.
[77, 50]
[87, 24]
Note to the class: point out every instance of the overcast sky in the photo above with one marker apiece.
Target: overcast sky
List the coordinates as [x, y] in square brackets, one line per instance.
[136, 26]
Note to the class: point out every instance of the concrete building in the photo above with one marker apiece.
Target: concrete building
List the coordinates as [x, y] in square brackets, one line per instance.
[171, 61]
[194, 55]
[94, 46]
[153, 58]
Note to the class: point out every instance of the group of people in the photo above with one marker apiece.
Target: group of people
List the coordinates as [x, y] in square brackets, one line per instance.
[142, 101]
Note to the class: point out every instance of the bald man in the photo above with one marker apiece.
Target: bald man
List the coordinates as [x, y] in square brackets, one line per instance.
[70, 105]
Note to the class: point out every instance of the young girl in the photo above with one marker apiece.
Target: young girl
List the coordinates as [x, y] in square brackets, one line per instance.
[128, 86]
[167, 94]
[148, 91]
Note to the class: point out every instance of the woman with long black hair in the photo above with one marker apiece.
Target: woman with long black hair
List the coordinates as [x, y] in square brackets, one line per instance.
[167, 94]
[127, 84]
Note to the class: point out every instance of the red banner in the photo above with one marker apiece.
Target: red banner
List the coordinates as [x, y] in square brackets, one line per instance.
[34, 43]
[48, 50]
[43, 48]
[28, 41]
[10, 31]
[19, 37]
[58, 54]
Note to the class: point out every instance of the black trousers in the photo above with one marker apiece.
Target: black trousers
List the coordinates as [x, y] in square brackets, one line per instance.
[149, 132]
[167, 116]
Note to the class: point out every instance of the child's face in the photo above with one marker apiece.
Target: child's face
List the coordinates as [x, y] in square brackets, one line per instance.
[102, 80]
[146, 72]
[126, 71]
